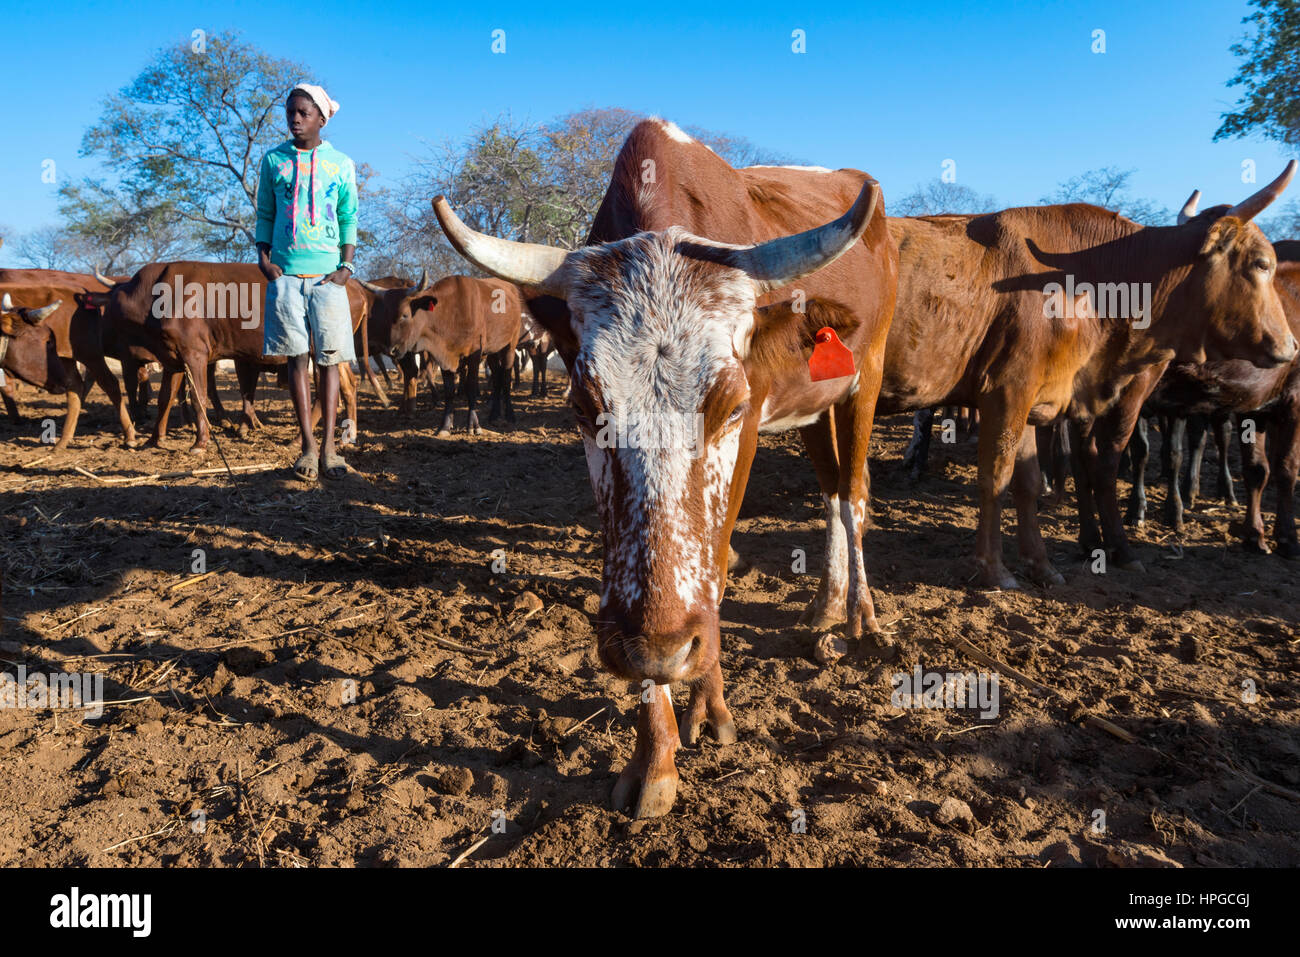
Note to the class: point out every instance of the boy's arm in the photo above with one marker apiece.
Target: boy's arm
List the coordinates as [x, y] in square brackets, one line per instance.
[266, 221]
[347, 216]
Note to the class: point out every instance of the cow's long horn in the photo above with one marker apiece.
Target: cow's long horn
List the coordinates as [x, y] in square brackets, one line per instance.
[1252, 207]
[371, 286]
[528, 264]
[6, 304]
[1189, 207]
[110, 283]
[779, 262]
[423, 283]
[34, 316]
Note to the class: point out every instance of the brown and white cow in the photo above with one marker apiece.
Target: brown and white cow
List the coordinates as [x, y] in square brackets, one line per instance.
[457, 323]
[1020, 314]
[535, 345]
[192, 314]
[682, 310]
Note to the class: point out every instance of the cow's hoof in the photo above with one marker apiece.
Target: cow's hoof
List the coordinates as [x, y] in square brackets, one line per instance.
[197, 451]
[645, 797]
[999, 578]
[444, 434]
[1256, 546]
[1043, 573]
[876, 647]
[724, 732]
[1135, 519]
[821, 616]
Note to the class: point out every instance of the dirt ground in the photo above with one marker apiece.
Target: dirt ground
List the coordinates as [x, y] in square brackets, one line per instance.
[234, 744]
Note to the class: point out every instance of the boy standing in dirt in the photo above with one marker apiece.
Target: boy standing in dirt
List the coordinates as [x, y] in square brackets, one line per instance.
[306, 236]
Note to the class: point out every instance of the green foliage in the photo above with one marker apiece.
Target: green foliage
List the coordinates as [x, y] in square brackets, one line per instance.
[1269, 77]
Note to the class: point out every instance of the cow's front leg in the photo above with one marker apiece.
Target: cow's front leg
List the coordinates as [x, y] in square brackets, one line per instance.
[827, 607]
[1002, 425]
[198, 367]
[648, 784]
[1174, 501]
[853, 421]
[449, 400]
[1255, 470]
[1026, 479]
[1223, 440]
[707, 708]
[171, 384]
[1139, 445]
[1286, 467]
[247, 373]
[471, 394]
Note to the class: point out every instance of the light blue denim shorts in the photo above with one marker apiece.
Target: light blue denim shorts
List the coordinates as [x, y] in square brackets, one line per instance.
[306, 313]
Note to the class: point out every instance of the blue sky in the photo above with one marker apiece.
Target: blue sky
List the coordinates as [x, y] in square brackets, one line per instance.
[1012, 92]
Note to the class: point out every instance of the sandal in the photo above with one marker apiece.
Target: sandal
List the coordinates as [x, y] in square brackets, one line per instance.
[334, 466]
[307, 467]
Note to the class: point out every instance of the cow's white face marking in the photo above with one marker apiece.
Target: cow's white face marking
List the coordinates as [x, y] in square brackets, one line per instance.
[657, 332]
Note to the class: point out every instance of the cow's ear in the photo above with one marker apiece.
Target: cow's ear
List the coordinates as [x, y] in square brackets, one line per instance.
[92, 300]
[786, 328]
[1222, 234]
[552, 313]
[423, 302]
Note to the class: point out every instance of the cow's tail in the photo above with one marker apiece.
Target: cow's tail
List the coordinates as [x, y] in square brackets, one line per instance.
[365, 358]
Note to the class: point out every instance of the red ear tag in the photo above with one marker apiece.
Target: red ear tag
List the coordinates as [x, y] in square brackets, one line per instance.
[831, 359]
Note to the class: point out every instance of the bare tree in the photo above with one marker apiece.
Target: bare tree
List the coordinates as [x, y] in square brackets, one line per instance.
[533, 182]
[191, 128]
[935, 197]
[1108, 186]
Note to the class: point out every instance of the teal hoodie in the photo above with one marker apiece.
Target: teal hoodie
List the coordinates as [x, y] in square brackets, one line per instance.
[306, 226]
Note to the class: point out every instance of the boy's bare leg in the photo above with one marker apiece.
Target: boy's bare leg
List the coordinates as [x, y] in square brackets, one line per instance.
[300, 393]
[329, 401]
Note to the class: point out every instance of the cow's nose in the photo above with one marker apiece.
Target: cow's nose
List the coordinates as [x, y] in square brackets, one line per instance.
[668, 660]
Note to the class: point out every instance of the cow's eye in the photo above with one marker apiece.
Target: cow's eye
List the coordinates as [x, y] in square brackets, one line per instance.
[1263, 265]
[737, 413]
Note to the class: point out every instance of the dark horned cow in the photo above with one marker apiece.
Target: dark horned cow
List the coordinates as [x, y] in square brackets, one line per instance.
[192, 314]
[458, 322]
[387, 298]
[1234, 280]
[1034, 312]
[679, 320]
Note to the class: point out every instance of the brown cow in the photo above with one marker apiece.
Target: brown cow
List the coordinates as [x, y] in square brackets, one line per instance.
[387, 298]
[678, 322]
[458, 322]
[1031, 312]
[1226, 380]
[190, 314]
[137, 386]
[78, 335]
[1268, 398]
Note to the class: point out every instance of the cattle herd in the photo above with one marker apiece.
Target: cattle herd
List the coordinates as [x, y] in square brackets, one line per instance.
[702, 311]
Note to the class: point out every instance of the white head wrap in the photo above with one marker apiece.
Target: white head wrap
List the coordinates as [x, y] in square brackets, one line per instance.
[318, 95]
